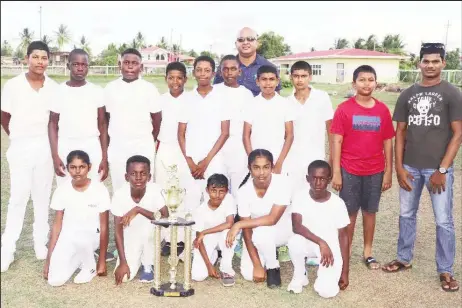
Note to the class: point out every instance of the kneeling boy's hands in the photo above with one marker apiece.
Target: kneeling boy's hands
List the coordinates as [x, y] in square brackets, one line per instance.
[101, 269]
[259, 274]
[231, 236]
[213, 273]
[127, 218]
[120, 272]
[198, 240]
[343, 282]
[46, 267]
[327, 258]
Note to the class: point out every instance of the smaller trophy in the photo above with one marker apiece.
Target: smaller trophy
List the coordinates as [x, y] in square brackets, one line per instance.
[173, 197]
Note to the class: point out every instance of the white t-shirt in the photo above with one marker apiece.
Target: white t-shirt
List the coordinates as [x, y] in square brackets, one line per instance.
[81, 209]
[78, 110]
[310, 125]
[171, 108]
[203, 116]
[268, 119]
[322, 218]
[28, 108]
[250, 205]
[130, 105]
[122, 203]
[206, 218]
[236, 100]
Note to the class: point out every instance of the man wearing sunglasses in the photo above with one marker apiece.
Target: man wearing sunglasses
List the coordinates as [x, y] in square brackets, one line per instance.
[249, 61]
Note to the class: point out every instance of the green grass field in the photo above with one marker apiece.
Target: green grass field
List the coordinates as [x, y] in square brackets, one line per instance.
[23, 287]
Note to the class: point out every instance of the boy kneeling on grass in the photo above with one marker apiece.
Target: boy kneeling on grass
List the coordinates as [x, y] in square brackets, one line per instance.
[214, 217]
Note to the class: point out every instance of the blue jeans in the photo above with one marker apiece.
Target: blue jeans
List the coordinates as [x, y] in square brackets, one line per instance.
[442, 208]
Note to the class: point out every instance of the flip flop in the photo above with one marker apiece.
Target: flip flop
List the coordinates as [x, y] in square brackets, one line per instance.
[447, 280]
[400, 266]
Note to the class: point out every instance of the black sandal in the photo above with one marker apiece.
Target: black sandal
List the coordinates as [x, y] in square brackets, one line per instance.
[371, 260]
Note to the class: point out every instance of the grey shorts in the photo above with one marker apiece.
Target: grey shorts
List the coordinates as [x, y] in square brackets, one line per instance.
[361, 192]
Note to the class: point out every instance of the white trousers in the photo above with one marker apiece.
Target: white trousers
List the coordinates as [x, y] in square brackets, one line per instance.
[139, 250]
[91, 146]
[70, 253]
[213, 242]
[326, 284]
[266, 240]
[120, 150]
[31, 175]
[235, 161]
[216, 166]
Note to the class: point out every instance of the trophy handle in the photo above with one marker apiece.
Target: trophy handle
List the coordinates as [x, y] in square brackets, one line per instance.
[163, 192]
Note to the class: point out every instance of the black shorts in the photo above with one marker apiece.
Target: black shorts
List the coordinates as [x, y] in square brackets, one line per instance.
[361, 192]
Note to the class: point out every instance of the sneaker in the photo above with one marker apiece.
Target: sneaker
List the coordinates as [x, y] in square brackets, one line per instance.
[85, 276]
[273, 278]
[312, 261]
[165, 252]
[109, 255]
[227, 280]
[296, 286]
[147, 273]
[7, 259]
[41, 252]
[283, 254]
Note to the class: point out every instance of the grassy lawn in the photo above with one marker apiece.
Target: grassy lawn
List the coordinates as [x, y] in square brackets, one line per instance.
[22, 286]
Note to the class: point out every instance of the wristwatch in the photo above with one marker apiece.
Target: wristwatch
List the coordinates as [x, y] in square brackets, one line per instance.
[442, 170]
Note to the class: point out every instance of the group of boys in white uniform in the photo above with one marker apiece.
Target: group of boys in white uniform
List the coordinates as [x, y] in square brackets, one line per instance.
[208, 131]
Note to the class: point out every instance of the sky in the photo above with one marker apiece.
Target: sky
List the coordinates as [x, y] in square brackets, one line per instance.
[213, 25]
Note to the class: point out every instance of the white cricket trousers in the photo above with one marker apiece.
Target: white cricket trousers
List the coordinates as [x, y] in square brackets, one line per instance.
[121, 149]
[235, 161]
[139, 250]
[212, 242]
[266, 240]
[326, 284]
[217, 165]
[170, 154]
[71, 252]
[31, 175]
[91, 146]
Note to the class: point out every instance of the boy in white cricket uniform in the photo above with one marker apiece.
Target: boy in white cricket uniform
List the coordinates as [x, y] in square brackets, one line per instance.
[320, 221]
[24, 117]
[313, 116]
[78, 110]
[134, 206]
[214, 217]
[134, 110]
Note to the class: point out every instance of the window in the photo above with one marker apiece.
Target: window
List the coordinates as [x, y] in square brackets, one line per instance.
[149, 57]
[162, 57]
[157, 57]
[316, 69]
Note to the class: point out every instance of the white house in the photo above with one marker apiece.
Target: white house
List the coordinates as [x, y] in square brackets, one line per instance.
[337, 66]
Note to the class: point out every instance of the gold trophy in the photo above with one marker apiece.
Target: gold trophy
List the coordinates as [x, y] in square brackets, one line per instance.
[173, 197]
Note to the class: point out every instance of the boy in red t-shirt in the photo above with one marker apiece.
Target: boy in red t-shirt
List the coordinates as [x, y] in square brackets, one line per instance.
[363, 131]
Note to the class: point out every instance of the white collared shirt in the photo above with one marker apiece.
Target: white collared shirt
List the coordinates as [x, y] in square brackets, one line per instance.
[207, 218]
[171, 108]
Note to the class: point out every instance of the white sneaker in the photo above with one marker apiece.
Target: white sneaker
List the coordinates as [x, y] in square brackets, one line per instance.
[296, 286]
[41, 252]
[7, 259]
[85, 276]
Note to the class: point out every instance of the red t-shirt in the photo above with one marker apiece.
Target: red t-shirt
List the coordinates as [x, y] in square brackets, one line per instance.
[364, 130]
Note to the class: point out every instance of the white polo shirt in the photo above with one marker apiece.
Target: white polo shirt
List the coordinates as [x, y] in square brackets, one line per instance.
[28, 108]
[249, 204]
[81, 209]
[206, 218]
[130, 105]
[310, 125]
[203, 116]
[122, 203]
[268, 119]
[321, 218]
[78, 110]
[171, 108]
[236, 100]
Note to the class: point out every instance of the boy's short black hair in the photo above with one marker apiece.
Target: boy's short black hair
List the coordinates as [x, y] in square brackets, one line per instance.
[138, 159]
[319, 164]
[301, 65]
[77, 51]
[37, 45]
[229, 57]
[217, 180]
[432, 48]
[364, 69]
[176, 66]
[131, 51]
[206, 59]
[267, 69]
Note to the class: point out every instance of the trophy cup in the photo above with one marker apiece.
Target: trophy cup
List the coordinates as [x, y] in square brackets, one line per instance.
[173, 197]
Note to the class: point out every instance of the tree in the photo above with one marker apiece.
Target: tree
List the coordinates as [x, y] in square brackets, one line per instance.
[312, 49]
[140, 40]
[47, 40]
[162, 43]
[453, 60]
[271, 45]
[341, 43]
[85, 45]
[359, 43]
[175, 48]
[119, 50]
[19, 53]
[62, 36]
[7, 50]
[192, 53]
[393, 44]
[26, 38]
[372, 43]
[209, 54]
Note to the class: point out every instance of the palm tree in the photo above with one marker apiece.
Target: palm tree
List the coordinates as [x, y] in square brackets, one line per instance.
[47, 40]
[62, 36]
[371, 43]
[84, 44]
[341, 44]
[120, 49]
[393, 44]
[312, 49]
[26, 38]
[162, 43]
[140, 40]
[359, 43]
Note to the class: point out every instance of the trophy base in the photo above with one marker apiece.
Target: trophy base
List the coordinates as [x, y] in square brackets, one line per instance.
[165, 291]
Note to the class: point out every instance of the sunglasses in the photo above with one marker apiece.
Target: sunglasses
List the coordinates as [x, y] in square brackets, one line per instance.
[248, 39]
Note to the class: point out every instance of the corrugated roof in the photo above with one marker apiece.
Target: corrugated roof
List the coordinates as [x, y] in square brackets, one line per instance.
[340, 53]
